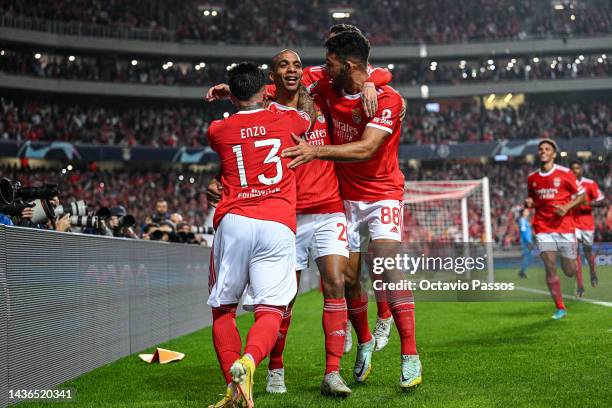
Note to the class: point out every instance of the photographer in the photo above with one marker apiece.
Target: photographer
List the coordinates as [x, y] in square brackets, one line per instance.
[161, 212]
[121, 223]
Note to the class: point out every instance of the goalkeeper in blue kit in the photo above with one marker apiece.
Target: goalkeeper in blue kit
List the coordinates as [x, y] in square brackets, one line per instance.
[526, 241]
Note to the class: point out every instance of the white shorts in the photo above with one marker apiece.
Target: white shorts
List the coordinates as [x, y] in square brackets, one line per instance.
[383, 220]
[565, 243]
[257, 253]
[319, 235]
[585, 236]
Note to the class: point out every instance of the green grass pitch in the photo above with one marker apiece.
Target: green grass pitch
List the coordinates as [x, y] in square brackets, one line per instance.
[508, 354]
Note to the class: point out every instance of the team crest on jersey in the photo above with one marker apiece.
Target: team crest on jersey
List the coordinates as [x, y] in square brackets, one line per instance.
[557, 181]
[320, 117]
[356, 116]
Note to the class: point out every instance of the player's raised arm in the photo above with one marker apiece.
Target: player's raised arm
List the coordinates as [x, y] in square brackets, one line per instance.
[218, 92]
[369, 97]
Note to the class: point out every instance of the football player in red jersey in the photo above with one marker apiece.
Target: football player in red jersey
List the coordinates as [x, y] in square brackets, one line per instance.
[585, 223]
[377, 77]
[321, 226]
[371, 185]
[551, 191]
[255, 227]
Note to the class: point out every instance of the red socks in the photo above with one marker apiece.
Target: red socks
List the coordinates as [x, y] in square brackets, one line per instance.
[334, 327]
[555, 290]
[226, 338]
[383, 309]
[276, 355]
[403, 315]
[579, 272]
[264, 332]
[358, 313]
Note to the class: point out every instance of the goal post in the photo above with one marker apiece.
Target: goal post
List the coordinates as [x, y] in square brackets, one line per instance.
[449, 211]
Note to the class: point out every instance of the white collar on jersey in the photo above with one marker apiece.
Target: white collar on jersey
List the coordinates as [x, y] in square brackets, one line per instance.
[244, 112]
[351, 96]
[549, 172]
[282, 107]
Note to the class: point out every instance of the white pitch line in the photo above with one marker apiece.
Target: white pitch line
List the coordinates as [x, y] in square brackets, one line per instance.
[543, 292]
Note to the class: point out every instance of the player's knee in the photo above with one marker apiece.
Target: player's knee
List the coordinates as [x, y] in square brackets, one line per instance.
[333, 286]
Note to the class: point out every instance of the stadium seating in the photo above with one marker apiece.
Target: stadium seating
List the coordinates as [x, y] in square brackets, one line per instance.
[386, 22]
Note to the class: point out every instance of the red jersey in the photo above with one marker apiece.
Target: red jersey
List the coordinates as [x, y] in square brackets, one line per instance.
[317, 184]
[312, 75]
[256, 181]
[379, 178]
[583, 214]
[548, 190]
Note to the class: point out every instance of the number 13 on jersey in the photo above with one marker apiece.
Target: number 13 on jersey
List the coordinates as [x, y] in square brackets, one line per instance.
[272, 158]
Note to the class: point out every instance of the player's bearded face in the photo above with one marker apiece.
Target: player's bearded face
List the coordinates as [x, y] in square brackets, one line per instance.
[288, 72]
[337, 70]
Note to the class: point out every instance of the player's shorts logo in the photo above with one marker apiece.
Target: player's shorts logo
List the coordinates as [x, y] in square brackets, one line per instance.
[356, 116]
[557, 181]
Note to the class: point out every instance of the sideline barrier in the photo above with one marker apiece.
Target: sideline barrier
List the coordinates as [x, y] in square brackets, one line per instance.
[70, 303]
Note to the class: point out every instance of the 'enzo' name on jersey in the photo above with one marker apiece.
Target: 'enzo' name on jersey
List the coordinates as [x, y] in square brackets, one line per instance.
[252, 132]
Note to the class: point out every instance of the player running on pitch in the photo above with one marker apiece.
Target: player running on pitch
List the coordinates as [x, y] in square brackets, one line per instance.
[585, 223]
[255, 226]
[550, 191]
[371, 184]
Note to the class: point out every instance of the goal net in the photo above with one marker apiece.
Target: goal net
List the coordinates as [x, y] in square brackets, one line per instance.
[449, 212]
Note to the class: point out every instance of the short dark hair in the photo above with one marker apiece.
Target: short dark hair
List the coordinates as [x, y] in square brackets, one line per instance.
[343, 28]
[349, 45]
[576, 161]
[550, 142]
[245, 80]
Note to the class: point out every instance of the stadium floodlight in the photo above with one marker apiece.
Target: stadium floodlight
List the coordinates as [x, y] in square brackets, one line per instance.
[206, 13]
[600, 60]
[134, 62]
[536, 59]
[491, 98]
[390, 66]
[424, 91]
[581, 57]
[558, 5]
[563, 154]
[169, 64]
[37, 55]
[572, 17]
[450, 210]
[264, 66]
[2, 52]
[225, 115]
[508, 98]
[604, 56]
[490, 62]
[71, 58]
[341, 13]
[191, 180]
[69, 168]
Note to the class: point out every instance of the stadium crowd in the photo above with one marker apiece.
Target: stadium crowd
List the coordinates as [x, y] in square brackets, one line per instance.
[232, 21]
[159, 126]
[469, 122]
[171, 126]
[140, 191]
[121, 70]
